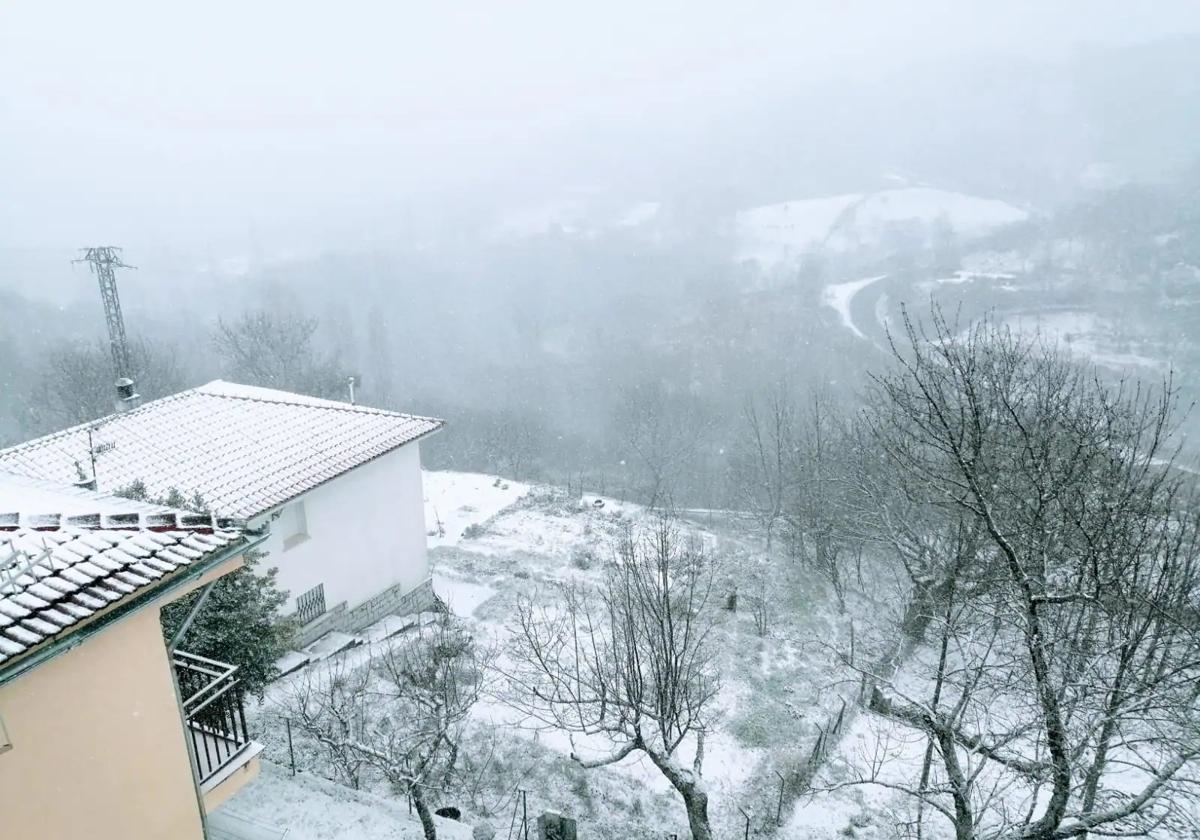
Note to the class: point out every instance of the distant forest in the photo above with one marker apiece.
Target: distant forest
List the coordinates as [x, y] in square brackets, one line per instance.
[626, 360]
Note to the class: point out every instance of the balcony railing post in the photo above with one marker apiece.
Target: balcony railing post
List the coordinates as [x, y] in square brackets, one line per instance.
[241, 708]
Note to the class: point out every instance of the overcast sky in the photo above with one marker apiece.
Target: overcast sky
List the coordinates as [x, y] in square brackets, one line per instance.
[154, 122]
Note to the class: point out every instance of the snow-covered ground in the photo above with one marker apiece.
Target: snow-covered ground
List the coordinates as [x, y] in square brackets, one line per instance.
[454, 501]
[870, 808]
[781, 233]
[502, 539]
[962, 277]
[968, 216]
[1085, 335]
[463, 597]
[307, 807]
[545, 538]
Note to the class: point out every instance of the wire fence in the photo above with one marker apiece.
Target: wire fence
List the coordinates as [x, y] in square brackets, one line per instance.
[797, 780]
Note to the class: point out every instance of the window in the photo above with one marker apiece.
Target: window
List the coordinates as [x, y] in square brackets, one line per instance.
[311, 604]
[293, 525]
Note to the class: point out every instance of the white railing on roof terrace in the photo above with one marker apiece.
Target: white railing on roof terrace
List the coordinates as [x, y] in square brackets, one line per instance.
[17, 565]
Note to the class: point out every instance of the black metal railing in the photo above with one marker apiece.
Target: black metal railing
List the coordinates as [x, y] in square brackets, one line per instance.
[311, 604]
[212, 711]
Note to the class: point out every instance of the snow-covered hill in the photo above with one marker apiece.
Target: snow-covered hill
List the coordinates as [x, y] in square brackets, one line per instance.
[779, 233]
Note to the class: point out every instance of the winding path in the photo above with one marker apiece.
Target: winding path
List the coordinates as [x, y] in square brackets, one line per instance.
[841, 296]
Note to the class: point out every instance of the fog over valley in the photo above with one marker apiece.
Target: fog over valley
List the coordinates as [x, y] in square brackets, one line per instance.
[822, 354]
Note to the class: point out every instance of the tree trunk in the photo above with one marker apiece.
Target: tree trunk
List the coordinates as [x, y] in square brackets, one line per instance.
[918, 613]
[695, 797]
[960, 788]
[695, 800]
[423, 812]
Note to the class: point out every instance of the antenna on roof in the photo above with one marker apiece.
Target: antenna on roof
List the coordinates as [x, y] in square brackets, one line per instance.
[350, 383]
[104, 259]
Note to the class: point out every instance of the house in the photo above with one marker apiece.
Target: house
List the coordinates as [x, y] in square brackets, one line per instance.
[338, 487]
[106, 732]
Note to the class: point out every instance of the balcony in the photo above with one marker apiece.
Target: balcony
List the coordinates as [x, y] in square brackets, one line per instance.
[215, 720]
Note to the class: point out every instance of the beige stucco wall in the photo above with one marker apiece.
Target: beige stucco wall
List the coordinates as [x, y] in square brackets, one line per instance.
[98, 747]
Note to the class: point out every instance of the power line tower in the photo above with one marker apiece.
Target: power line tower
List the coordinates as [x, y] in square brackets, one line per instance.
[104, 260]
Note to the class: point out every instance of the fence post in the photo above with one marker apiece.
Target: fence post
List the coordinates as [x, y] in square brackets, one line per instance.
[525, 813]
[779, 807]
[291, 751]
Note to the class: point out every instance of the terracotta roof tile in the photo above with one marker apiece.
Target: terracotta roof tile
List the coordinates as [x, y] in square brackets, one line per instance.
[52, 580]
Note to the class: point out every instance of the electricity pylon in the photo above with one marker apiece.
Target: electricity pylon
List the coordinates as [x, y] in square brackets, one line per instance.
[104, 260]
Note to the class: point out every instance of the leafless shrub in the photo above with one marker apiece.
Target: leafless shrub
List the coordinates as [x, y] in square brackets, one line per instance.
[632, 664]
[401, 714]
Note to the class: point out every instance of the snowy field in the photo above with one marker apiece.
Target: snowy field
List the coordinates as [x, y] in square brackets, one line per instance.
[782, 233]
[307, 807]
[455, 501]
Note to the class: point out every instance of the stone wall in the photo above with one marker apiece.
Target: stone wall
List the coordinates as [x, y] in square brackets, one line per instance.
[391, 601]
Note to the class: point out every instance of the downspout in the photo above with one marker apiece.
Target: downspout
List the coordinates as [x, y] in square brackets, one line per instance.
[193, 761]
[190, 617]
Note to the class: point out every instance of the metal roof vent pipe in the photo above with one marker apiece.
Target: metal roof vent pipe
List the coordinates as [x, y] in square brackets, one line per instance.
[127, 397]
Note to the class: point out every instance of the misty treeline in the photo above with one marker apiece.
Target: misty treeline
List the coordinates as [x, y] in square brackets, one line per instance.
[1047, 649]
[622, 361]
[610, 362]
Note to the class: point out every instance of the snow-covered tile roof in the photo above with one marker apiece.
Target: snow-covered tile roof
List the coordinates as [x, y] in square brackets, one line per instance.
[34, 496]
[60, 565]
[243, 450]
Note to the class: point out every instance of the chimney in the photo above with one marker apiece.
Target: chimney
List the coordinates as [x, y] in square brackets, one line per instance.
[127, 398]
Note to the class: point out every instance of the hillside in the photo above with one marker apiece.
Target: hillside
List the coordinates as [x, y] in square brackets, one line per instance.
[782, 233]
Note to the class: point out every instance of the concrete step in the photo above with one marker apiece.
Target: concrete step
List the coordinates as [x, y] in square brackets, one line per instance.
[329, 644]
[224, 824]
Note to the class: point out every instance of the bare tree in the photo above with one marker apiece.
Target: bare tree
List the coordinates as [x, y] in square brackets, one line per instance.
[818, 501]
[936, 547]
[401, 715]
[630, 666]
[663, 432]
[278, 351]
[77, 383]
[1062, 694]
[329, 704]
[764, 463]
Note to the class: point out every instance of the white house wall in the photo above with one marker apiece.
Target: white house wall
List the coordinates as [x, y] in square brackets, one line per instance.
[366, 532]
